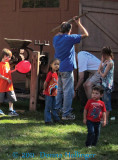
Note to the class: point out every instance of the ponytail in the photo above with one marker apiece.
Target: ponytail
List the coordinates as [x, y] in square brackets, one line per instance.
[107, 51]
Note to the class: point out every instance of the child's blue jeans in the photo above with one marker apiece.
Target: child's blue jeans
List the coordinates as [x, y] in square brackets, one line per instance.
[107, 99]
[93, 133]
[50, 111]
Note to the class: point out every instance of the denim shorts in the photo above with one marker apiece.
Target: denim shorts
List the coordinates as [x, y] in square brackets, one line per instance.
[95, 78]
[7, 97]
[107, 99]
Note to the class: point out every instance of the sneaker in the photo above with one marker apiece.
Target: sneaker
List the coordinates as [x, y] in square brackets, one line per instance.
[48, 123]
[89, 146]
[69, 117]
[13, 113]
[1, 112]
[58, 122]
[59, 112]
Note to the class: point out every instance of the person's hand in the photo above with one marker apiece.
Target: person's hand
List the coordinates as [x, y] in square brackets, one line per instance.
[15, 68]
[102, 59]
[84, 121]
[43, 92]
[106, 61]
[75, 18]
[103, 123]
[75, 93]
[98, 71]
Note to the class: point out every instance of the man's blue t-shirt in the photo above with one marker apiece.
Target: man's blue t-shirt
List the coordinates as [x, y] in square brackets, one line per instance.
[65, 50]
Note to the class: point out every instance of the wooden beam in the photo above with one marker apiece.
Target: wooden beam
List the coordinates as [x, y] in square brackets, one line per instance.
[100, 10]
[34, 80]
[69, 21]
[102, 28]
[27, 96]
[21, 95]
[14, 5]
[80, 13]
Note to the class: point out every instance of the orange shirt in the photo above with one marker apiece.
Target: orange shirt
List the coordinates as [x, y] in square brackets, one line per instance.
[5, 71]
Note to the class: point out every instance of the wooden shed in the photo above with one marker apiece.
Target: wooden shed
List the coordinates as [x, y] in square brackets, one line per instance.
[34, 20]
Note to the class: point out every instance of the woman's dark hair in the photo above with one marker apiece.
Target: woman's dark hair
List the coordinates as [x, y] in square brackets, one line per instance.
[107, 51]
[54, 59]
[65, 27]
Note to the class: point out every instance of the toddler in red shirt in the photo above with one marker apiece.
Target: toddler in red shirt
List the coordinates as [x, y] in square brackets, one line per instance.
[93, 112]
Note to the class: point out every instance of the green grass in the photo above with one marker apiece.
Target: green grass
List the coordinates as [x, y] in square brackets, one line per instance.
[28, 134]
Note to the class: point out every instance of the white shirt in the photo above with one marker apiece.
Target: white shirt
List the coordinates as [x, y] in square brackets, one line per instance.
[87, 61]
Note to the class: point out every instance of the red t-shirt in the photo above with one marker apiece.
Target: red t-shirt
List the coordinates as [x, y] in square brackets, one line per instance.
[94, 110]
[5, 71]
[51, 79]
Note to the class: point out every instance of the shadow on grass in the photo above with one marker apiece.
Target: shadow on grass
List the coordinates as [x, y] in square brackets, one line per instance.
[107, 155]
[48, 144]
[31, 138]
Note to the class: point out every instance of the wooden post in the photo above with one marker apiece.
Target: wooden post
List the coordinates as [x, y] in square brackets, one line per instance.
[34, 80]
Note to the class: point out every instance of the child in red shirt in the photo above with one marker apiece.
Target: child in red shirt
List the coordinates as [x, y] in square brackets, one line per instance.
[94, 110]
[50, 91]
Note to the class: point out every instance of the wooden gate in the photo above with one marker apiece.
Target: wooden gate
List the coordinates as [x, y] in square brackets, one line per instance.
[101, 21]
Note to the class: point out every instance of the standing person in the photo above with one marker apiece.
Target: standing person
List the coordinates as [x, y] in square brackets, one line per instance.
[87, 62]
[106, 71]
[6, 86]
[63, 44]
[93, 112]
[50, 92]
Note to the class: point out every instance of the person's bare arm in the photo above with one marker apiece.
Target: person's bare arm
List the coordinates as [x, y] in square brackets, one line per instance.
[80, 81]
[109, 66]
[101, 65]
[104, 119]
[13, 70]
[5, 78]
[84, 116]
[45, 85]
[82, 28]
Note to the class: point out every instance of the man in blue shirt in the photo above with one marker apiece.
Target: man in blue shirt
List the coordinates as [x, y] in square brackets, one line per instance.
[63, 44]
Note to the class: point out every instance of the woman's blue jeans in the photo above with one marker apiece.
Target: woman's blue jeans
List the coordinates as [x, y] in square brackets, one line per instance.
[50, 111]
[65, 92]
[93, 133]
